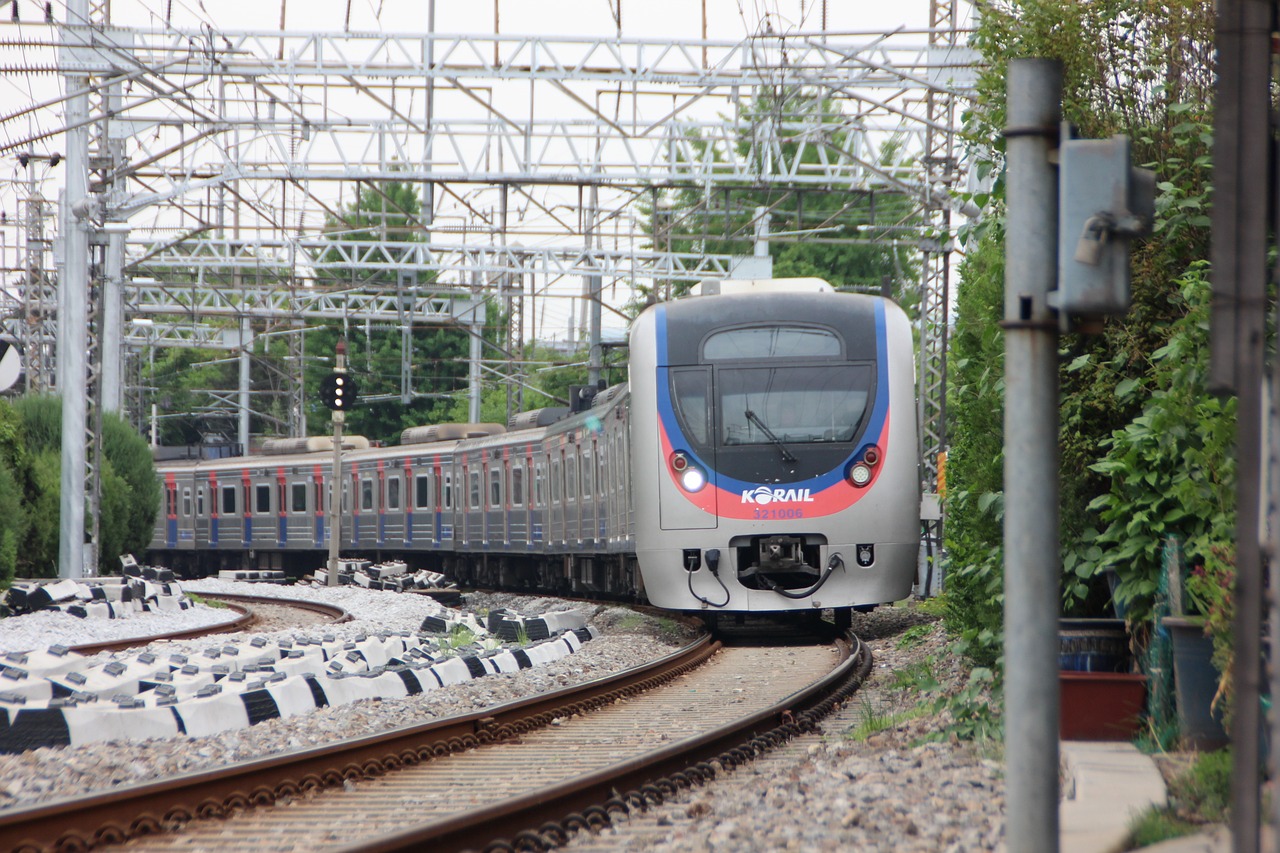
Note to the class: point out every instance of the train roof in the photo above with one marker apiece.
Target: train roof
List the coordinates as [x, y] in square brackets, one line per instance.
[761, 285]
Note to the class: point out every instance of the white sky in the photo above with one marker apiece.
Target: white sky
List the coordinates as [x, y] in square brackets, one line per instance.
[726, 20]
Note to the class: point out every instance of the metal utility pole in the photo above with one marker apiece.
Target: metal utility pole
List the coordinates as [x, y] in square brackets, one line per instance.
[1032, 572]
[1242, 142]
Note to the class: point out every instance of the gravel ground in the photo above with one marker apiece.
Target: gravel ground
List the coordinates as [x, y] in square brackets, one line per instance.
[627, 640]
[839, 790]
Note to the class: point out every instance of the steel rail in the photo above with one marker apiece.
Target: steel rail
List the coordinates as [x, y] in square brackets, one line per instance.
[590, 801]
[83, 823]
[242, 605]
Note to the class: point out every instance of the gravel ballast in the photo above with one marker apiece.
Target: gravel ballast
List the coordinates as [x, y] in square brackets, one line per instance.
[627, 640]
[840, 789]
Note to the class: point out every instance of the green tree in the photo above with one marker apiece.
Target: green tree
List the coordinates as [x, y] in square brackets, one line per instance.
[438, 355]
[130, 496]
[853, 239]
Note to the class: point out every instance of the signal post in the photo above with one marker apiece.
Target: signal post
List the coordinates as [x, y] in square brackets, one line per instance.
[338, 392]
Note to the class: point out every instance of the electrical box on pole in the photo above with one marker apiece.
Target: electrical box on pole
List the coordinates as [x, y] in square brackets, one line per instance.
[1103, 203]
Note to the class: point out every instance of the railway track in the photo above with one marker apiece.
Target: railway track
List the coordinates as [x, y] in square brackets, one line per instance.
[251, 609]
[543, 766]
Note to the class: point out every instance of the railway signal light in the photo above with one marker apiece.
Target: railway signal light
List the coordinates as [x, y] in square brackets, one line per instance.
[338, 391]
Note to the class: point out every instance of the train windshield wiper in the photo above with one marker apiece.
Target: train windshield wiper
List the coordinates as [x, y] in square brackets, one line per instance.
[787, 455]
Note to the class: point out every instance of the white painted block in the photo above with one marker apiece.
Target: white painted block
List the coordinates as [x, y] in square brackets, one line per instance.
[96, 722]
[212, 714]
[564, 620]
[505, 662]
[293, 696]
[452, 671]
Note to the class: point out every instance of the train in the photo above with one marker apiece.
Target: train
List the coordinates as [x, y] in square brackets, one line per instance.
[762, 456]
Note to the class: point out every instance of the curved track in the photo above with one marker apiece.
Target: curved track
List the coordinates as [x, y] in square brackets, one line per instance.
[242, 604]
[549, 764]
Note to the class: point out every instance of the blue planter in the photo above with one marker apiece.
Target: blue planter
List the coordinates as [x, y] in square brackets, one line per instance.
[1092, 645]
[1196, 680]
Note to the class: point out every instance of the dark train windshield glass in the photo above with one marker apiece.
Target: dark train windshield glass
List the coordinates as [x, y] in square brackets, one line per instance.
[794, 405]
[771, 342]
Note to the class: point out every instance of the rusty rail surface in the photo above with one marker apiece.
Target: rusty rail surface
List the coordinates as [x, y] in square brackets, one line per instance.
[83, 823]
[543, 819]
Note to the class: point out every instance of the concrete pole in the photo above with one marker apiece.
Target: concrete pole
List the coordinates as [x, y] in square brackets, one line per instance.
[1032, 571]
[760, 248]
[73, 310]
[473, 374]
[113, 320]
[242, 402]
[595, 358]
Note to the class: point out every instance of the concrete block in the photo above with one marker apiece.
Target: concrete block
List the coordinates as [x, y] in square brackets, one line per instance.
[96, 722]
[293, 696]
[452, 671]
[31, 728]
[212, 714]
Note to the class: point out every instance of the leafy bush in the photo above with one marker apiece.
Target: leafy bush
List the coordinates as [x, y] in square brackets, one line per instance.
[39, 553]
[31, 442]
[1165, 59]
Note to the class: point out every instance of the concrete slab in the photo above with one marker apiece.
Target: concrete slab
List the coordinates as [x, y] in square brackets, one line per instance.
[1104, 786]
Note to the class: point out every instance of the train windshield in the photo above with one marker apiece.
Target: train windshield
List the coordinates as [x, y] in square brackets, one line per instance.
[756, 342]
[791, 405]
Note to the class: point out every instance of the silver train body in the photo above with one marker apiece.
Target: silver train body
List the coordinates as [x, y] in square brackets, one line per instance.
[762, 457]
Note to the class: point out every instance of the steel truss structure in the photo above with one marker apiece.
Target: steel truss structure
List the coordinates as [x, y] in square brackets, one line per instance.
[543, 165]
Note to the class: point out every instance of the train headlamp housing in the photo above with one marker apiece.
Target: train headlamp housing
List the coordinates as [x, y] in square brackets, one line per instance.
[690, 477]
[862, 472]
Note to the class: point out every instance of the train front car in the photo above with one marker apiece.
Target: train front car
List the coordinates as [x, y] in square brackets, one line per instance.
[777, 421]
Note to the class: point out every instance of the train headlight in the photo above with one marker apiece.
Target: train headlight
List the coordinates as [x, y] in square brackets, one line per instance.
[679, 462]
[860, 474]
[863, 471]
[693, 479]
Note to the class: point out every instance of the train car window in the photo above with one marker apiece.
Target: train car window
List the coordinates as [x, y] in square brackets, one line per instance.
[200, 501]
[346, 503]
[556, 485]
[495, 488]
[475, 489]
[794, 405]
[262, 499]
[539, 477]
[588, 476]
[228, 500]
[517, 485]
[319, 496]
[448, 491]
[771, 342]
[186, 502]
[393, 493]
[690, 389]
[366, 494]
[570, 478]
[298, 497]
[421, 491]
